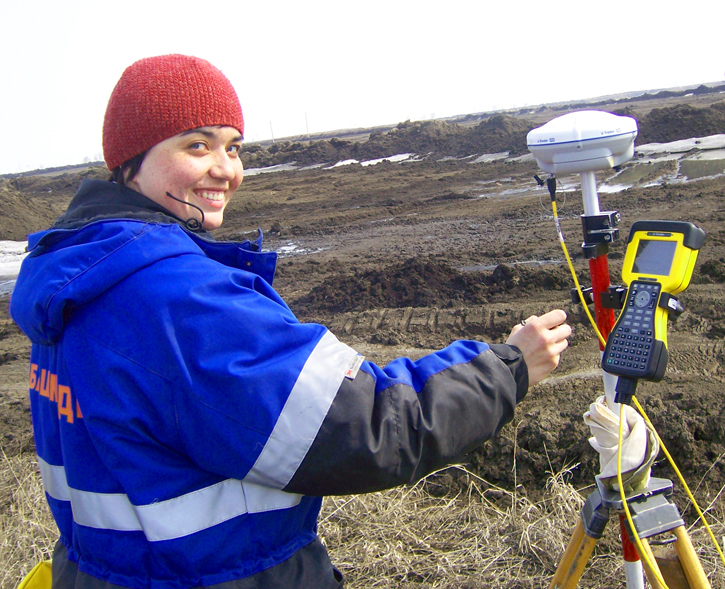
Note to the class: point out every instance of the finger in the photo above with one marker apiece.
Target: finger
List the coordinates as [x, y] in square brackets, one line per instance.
[552, 318]
[553, 338]
[560, 332]
[553, 335]
[559, 347]
[523, 323]
[530, 319]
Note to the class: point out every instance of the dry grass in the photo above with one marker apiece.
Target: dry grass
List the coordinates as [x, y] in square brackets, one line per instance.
[481, 536]
[27, 530]
[484, 536]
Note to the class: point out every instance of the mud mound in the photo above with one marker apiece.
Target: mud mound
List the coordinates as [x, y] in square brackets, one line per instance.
[284, 152]
[494, 135]
[502, 133]
[20, 214]
[683, 121]
[414, 283]
[715, 269]
[424, 283]
[419, 137]
[30, 203]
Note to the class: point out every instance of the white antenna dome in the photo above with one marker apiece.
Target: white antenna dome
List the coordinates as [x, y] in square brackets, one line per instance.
[583, 141]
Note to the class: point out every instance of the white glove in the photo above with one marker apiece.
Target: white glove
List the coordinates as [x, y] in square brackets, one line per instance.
[639, 445]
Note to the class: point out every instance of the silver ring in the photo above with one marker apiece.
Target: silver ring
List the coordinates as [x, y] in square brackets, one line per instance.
[523, 322]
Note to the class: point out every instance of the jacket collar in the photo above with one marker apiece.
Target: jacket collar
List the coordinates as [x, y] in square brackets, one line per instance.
[100, 199]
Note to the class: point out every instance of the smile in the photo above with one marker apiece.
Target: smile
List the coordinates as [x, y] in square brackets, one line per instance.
[216, 196]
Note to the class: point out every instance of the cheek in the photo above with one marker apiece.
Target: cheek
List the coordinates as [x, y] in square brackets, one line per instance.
[239, 176]
[183, 174]
[161, 178]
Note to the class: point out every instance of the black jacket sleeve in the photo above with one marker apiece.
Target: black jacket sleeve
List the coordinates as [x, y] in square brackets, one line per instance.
[371, 441]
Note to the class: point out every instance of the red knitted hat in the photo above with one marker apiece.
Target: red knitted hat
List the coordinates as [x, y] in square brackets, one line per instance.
[159, 97]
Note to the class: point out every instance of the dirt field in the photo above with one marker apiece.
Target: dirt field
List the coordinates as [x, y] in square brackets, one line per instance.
[400, 258]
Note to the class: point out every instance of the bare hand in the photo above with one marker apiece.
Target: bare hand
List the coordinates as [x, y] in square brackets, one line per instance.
[541, 341]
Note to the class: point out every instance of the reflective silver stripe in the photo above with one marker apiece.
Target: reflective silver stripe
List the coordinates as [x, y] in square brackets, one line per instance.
[303, 413]
[261, 499]
[54, 481]
[192, 512]
[108, 511]
[165, 520]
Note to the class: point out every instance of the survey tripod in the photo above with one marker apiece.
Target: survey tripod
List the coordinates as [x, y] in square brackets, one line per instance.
[651, 511]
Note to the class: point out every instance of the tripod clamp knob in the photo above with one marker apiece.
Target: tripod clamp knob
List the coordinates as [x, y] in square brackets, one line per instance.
[599, 231]
[612, 299]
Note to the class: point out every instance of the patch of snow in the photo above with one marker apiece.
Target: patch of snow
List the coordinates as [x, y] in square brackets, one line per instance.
[613, 188]
[710, 154]
[490, 157]
[12, 254]
[529, 157]
[393, 158]
[342, 163]
[278, 168]
[294, 249]
[684, 145]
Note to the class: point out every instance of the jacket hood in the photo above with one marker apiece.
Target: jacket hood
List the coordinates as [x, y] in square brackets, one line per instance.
[90, 249]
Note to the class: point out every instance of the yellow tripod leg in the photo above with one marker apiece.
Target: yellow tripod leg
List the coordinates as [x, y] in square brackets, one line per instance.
[576, 538]
[688, 559]
[649, 572]
[575, 559]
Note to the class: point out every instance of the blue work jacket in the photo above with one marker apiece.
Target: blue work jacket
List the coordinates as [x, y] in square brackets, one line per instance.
[187, 424]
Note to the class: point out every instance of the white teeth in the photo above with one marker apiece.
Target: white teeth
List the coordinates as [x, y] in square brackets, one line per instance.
[212, 195]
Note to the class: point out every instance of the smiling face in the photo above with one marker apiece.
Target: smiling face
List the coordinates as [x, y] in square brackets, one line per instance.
[200, 167]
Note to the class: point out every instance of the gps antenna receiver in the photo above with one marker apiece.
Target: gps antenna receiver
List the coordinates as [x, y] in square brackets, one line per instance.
[584, 141]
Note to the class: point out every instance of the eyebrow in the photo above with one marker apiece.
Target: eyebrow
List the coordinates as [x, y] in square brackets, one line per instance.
[209, 134]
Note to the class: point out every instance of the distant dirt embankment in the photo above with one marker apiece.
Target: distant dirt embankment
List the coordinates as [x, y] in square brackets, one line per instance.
[32, 201]
[499, 133]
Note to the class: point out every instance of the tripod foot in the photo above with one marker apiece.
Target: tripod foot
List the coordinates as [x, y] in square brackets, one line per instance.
[688, 559]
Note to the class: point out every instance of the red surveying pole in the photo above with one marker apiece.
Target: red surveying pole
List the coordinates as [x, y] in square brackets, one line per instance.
[600, 229]
[599, 270]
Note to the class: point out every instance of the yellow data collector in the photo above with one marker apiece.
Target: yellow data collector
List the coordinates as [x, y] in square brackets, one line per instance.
[658, 264]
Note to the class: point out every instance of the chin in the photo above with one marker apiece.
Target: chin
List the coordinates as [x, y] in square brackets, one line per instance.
[211, 224]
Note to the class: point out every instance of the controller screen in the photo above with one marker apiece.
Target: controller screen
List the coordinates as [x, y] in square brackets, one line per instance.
[654, 257]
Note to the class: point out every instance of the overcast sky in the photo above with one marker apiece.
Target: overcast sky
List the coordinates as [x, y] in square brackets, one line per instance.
[317, 65]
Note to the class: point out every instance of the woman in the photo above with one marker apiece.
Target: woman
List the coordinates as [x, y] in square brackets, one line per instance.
[186, 423]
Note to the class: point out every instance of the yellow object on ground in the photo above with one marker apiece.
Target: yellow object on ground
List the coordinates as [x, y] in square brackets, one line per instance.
[39, 578]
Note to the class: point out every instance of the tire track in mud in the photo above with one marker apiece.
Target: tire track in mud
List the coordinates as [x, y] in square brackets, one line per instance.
[493, 320]
[431, 327]
[705, 358]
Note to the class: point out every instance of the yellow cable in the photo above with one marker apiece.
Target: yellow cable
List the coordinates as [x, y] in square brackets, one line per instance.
[642, 553]
[681, 478]
[573, 274]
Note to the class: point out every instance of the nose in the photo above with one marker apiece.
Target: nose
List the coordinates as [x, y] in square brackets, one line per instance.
[222, 168]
